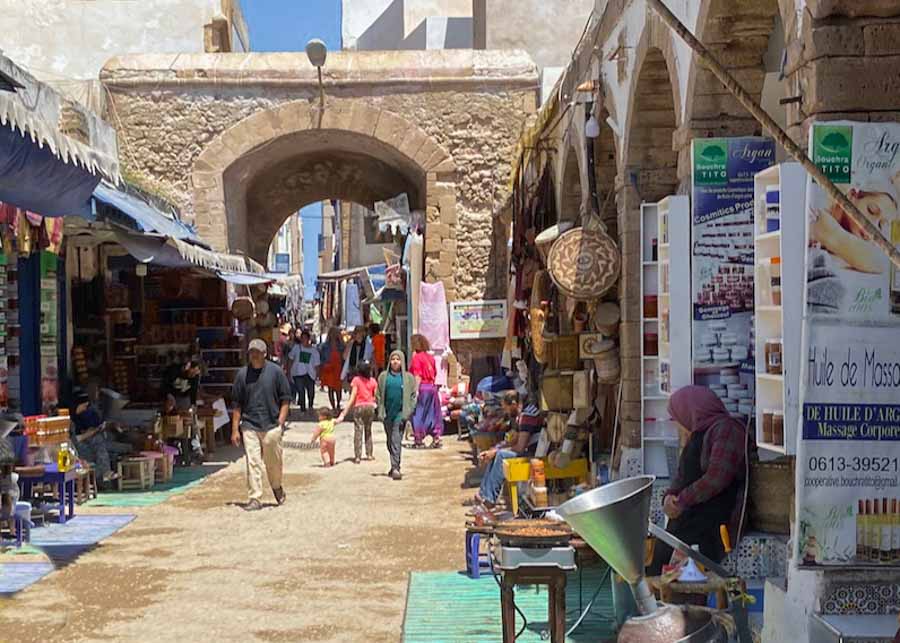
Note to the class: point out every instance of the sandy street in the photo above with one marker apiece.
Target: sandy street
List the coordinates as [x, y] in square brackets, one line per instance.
[332, 564]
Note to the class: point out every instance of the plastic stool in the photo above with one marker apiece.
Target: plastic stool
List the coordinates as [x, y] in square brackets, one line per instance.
[475, 560]
[22, 520]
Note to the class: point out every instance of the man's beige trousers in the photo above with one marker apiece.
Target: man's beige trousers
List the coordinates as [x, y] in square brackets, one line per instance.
[263, 448]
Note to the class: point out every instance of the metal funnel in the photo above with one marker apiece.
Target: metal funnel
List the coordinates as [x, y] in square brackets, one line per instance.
[613, 520]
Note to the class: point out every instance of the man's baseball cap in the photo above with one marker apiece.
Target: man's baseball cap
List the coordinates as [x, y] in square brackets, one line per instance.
[258, 345]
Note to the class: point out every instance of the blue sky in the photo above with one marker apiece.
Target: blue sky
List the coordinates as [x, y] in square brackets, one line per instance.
[287, 25]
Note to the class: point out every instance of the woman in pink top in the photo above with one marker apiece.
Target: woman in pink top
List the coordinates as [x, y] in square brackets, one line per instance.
[427, 417]
[362, 397]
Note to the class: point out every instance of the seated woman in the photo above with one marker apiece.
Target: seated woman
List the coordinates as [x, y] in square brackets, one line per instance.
[709, 489]
[528, 423]
[93, 440]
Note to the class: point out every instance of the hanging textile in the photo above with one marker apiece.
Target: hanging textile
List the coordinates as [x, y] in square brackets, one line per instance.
[415, 262]
[442, 366]
[434, 321]
[352, 308]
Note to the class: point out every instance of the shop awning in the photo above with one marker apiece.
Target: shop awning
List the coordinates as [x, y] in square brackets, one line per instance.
[33, 178]
[130, 211]
[348, 273]
[173, 253]
[41, 168]
[246, 278]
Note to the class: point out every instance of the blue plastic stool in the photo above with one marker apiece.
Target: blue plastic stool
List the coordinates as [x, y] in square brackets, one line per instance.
[475, 560]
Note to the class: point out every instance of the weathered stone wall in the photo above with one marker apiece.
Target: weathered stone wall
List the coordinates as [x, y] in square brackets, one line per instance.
[167, 118]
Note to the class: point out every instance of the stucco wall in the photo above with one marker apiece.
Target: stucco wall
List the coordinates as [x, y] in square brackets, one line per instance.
[386, 24]
[547, 29]
[57, 39]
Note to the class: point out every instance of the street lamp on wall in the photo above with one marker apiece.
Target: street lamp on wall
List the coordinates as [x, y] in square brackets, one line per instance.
[317, 52]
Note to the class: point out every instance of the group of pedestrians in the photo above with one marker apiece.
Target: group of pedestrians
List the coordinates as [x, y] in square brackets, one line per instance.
[379, 389]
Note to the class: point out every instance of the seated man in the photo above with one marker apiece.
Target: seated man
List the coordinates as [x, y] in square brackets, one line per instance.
[92, 439]
[528, 423]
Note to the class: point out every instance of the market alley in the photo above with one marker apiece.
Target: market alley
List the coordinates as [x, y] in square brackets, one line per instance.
[332, 564]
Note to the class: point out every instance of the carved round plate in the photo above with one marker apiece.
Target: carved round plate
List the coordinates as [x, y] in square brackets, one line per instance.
[584, 264]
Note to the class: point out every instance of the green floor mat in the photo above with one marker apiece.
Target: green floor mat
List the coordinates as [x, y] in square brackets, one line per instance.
[450, 607]
[183, 479]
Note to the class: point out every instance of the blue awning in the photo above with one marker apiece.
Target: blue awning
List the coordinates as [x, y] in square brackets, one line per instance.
[33, 178]
[133, 212]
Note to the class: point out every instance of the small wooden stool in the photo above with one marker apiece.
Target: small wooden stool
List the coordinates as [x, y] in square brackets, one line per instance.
[85, 484]
[162, 468]
[135, 473]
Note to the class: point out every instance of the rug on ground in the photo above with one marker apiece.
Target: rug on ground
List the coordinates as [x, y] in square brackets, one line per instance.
[61, 543]
[472, 613]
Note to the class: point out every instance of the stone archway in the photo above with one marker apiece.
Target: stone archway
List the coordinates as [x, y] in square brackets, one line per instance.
[252, 176]
[570, 189]
[650, 168]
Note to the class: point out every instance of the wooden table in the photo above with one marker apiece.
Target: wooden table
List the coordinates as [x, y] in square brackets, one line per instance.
[555, 578]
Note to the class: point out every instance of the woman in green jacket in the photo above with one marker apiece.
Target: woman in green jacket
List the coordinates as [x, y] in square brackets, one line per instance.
[396, 400]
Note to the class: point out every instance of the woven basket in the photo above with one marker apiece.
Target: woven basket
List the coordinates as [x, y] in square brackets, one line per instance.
[771, 496]
[606, 319]
[584, 263]
[539, 292]
[544, 241]
[243, 308]
[607, 366]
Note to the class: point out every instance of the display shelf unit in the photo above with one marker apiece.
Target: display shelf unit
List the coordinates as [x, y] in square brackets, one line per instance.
[668, 223]
[779, 392]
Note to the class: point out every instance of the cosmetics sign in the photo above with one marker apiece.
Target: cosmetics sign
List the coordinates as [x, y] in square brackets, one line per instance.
[722, 264]
[848, 456]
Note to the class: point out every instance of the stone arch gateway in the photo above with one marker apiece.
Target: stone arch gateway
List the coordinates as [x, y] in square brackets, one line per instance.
[239, 141]
[251, 177]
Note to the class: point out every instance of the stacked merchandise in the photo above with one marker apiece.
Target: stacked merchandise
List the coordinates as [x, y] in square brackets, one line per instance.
[13, 328]
[49, 331]
[4, 363]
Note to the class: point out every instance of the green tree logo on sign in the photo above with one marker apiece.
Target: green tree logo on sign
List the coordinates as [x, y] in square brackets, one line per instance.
[833, 151]
[710, 162]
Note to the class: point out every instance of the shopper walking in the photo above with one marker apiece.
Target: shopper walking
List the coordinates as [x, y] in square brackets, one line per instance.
[331, 353]
[427, 418]
[362, 402]
[262, 399]
[395, 400]
[359, 350]
[303, 362]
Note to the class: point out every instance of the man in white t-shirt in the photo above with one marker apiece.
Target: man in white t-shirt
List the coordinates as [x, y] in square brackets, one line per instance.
[303, 362]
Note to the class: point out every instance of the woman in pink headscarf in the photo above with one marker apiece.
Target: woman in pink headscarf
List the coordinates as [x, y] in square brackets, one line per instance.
[708, 490]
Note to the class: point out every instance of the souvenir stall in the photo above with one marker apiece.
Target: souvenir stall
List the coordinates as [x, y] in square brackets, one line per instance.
[45, 174]
[562, 342]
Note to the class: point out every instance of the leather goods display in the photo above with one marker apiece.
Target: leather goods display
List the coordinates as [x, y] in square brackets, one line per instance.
[591, 345]
[562, 352]
[581, 390]
[556, 392]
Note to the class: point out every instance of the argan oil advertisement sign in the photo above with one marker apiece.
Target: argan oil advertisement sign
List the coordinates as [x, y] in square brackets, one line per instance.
[848, 456]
